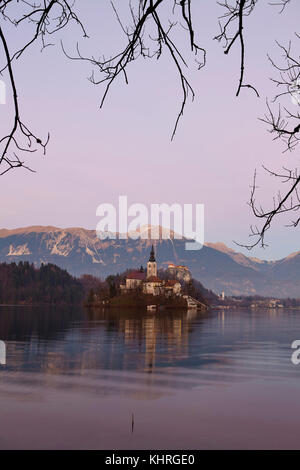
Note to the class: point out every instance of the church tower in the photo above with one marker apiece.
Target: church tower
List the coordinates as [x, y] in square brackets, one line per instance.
[151, 265]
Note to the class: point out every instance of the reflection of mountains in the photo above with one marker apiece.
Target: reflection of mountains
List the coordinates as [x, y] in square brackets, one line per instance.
[62, 341]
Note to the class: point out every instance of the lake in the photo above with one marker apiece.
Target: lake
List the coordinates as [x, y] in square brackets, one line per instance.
[77, 379]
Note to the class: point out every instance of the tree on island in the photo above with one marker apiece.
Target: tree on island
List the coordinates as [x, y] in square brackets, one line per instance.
[91, 296]
[113, 285]
[154, 28]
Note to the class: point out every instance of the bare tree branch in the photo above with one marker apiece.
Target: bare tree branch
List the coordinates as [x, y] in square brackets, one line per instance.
[21, 139]
[152, 31]
[284, 124]
[145, 19]
[229, 34]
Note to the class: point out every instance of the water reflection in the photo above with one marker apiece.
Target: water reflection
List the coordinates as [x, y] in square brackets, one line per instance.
[142, 337]
[219, 345]
[59, 341]
[134, 366]
[93, 351]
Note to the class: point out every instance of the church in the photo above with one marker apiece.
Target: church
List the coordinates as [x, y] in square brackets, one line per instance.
[149, 282]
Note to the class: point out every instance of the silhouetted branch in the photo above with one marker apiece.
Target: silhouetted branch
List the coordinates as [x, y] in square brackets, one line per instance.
[145, 19]
[149, 34]
[21, 139]
[235, 15]
[285, 127]
[289, 202]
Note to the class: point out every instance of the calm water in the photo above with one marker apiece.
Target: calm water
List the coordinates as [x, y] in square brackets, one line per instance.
[119, 380]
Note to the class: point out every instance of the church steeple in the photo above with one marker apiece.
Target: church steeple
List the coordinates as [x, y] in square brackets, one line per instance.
[151, 265]
[152, 257]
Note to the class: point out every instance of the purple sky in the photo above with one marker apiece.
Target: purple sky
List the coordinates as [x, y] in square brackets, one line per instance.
[96, 155]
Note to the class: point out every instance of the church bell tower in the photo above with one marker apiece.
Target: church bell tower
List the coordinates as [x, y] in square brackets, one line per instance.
[151, 265]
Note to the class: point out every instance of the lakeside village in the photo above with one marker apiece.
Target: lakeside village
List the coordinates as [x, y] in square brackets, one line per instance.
[144, 288]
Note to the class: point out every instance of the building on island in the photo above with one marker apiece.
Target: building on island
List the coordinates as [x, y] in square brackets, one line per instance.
[180, 272]
[148, 281]
[152, 265]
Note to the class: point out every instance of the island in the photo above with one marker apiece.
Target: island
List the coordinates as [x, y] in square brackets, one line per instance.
[145, 289]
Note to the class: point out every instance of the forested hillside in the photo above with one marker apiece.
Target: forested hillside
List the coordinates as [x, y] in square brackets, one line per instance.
[23, 283]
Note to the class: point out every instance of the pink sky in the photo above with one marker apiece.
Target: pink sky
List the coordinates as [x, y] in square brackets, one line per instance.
[96, 155]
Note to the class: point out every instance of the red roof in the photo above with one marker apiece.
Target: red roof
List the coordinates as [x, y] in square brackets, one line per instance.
[137, 275]
[171, 283]
[153, 279]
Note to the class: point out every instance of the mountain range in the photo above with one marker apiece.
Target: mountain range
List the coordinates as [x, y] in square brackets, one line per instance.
[216, 266]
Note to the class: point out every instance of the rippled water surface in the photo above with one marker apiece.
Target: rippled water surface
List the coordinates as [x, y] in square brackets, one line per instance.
[130, 380]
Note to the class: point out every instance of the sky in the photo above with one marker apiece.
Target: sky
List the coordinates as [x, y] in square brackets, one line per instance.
[95, 155]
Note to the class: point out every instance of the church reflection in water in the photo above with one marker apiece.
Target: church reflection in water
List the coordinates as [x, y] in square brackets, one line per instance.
[66, 341]
[150, 340]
